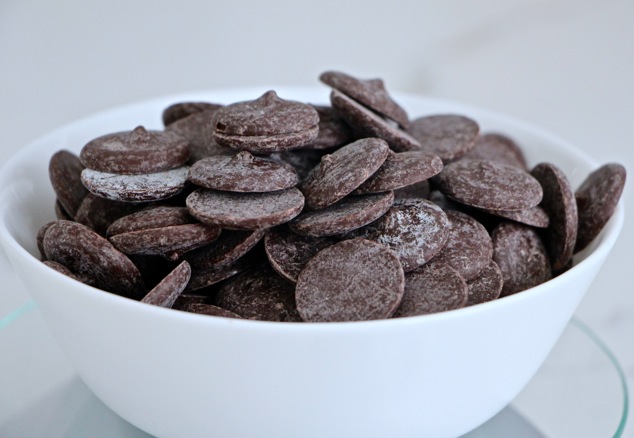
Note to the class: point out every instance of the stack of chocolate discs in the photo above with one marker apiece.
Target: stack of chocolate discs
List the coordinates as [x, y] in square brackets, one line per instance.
[135, 166]
[278, 210]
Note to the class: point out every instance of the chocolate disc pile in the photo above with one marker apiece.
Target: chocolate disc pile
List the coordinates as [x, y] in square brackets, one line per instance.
[279, 210]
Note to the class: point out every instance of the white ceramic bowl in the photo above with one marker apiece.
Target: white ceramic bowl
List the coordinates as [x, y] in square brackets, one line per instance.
[175, 374]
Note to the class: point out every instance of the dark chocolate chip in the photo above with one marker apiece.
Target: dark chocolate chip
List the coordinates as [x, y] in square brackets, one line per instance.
[242, 173]
[89, 255]
[40, 238]
[415, 229]
[419, 190]
[267, 124]
[368, 92]
[498, 148]
[185, 299]
[431, 289]
[135, 152]
[245, 211]
[198, 130]
[560, 205]
[489, 185]
[135, 188]
[288, 252]
[170, 242]
[468, 249]
[366, 123]
[597, 198]
[64, 171]
[210, 310]
[181, 110]
[519, 252]
[302, 160]
[333, 131]
[350, 213]
[167, 291]
[534, 216]
[260, 294]
[487, 286]
[401, 170]
[99, 213]
[230, 246]
[151, 217]
[353, 280]
[205, 277]
[339, 173]
[449, 136]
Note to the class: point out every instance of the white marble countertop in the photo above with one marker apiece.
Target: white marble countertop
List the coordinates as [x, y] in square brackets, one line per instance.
[566, 66]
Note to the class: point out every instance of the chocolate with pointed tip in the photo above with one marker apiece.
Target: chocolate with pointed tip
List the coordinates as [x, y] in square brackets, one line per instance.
[368, 92]
[242, 173]
[265, 125]
[135, 152]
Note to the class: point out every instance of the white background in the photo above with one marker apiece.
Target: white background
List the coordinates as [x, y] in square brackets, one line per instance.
[565, 65]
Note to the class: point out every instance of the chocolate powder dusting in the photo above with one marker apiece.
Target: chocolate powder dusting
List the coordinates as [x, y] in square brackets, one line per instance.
[415, 229]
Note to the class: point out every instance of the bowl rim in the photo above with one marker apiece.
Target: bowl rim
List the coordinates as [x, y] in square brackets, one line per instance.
[607, 238]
